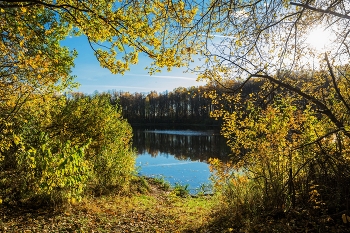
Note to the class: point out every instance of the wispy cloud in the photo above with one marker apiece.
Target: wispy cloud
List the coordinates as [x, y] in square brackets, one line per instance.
[162, 76]
[222, 36]
[115, 87]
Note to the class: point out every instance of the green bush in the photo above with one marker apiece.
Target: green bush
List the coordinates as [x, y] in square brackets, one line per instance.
[60, 148]
[110, 150]
[52, 170]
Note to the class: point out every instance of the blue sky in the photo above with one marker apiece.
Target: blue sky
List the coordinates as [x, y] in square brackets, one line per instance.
[92, 77]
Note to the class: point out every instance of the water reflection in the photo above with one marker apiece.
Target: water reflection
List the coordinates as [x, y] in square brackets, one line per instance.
[182, 144]
[180, 156]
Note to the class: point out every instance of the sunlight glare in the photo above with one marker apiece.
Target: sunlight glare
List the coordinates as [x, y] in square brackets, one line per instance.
[319, 39]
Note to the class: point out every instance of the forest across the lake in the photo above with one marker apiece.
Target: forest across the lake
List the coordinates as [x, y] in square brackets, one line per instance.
[180, 108]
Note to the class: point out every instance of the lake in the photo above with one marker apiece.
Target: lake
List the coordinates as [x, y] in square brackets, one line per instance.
[179, 156]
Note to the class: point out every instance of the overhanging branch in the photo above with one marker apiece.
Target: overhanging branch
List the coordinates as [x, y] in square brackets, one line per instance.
[327, 11]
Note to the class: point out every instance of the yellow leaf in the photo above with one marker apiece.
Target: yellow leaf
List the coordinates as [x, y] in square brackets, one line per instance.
[24, 9]
[239, 43]
[16, 139]
[344, 218]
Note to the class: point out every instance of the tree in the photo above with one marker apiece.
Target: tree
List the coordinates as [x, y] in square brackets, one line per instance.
[35, 71]
[32, 60]
[269, 40]
[289, 138]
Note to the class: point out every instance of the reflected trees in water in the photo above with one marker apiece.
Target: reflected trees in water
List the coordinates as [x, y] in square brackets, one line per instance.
[186, 146]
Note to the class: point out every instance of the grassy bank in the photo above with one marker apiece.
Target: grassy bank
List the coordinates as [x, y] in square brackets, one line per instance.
[152, 208]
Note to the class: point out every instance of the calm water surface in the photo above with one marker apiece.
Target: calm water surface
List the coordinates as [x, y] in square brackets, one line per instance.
[179, 156]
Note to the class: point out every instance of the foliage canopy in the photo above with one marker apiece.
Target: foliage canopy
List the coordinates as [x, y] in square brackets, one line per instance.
[269, 40]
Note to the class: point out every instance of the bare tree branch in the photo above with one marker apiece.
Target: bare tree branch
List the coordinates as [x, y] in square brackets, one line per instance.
[335, 84]
[327, 11]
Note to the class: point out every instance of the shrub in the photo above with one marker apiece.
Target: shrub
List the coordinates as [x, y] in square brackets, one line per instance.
[62, 147]
[282, 163]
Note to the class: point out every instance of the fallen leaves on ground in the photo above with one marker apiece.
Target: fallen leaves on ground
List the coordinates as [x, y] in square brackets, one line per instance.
[158, 211]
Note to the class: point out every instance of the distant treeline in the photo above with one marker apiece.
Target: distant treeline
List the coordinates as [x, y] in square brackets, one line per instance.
[182, 106]
[190, 105]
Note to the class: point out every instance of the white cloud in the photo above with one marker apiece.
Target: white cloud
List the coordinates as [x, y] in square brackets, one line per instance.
[115, 87]
[222, 36]
[162, 76]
